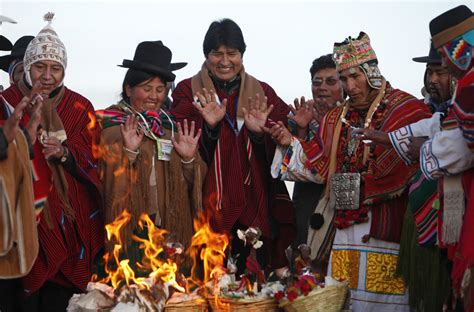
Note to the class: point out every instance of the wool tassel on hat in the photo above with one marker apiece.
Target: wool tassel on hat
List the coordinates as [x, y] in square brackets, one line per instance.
[48, 17]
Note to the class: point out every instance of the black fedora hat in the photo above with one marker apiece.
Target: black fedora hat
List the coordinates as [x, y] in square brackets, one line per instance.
[155, 58]
[18, 51]
[451, 24]
[432, 58]
[5, 44]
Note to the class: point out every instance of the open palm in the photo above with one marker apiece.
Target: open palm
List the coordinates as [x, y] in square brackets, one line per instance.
[256, 116]
[186, 144]
[302, 112]
[207, 104]
[132, 137]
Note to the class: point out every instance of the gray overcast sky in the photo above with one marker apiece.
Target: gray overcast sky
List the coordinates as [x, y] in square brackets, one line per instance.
[283, 37]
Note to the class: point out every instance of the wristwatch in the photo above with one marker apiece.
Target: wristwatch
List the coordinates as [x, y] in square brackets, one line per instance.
[65, 155]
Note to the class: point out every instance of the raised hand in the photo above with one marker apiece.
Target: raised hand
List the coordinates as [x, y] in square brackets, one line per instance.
[302, 113]
[33, 105]
[132, 136]
[256, 117]
[33, 127]
[209, 108]
[279, 133]
[12, 123]
[186, 144]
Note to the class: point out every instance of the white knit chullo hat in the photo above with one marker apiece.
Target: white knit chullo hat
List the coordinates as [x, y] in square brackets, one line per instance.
[46, 46]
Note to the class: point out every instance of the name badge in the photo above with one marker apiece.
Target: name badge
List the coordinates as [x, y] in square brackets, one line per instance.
[345, 191]
[164, 149]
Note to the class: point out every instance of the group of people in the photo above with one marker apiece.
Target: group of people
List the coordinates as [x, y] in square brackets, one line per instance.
[384, 180]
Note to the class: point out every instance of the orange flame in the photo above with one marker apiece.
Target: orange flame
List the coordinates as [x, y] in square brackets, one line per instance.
[211, 247]
[119, 270]
[92, 122]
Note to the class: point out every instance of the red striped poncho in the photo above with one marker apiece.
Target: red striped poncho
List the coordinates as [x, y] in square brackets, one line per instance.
[385, 176]
[67, 250]
[239, 176]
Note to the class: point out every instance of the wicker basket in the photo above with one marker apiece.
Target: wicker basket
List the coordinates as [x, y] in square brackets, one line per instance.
[196, 305]
[243, 305]
[328, 299]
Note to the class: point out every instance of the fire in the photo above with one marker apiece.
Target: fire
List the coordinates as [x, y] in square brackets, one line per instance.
[92, 122]
[211, 247]
[119, 271]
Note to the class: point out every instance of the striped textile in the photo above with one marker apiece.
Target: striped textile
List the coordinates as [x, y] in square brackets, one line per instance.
[463, 107]
[424, 205]
[67, 250]
[155, 120]
[238, 182]
[385, 175]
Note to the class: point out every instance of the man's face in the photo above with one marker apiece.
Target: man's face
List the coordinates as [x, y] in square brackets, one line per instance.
[355, 84]
[224, 63]
[49, 73]
[437, 82]
[326, 87]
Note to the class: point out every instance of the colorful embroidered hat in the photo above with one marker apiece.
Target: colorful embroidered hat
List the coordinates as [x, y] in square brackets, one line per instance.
[46, 46]
[358, 53]
[451, 25]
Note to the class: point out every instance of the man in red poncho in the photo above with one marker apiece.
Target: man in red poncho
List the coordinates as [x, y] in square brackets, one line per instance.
[238, 191]
[65, 180]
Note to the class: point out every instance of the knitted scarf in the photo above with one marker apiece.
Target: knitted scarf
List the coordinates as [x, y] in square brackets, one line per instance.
[118, 114]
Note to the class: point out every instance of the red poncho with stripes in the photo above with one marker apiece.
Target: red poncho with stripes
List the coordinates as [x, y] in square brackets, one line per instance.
[238, 180]
[67, 250]
[385, 176]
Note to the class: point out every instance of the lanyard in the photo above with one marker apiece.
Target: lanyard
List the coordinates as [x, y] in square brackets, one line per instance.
[233, 124]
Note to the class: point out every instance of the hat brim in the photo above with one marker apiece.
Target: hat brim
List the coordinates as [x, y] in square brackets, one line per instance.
[426, 59]
[176, 66]
[5, 62]
[5, 44]
[152, 69]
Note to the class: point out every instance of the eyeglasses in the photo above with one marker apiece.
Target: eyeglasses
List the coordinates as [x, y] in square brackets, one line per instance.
[330, 81]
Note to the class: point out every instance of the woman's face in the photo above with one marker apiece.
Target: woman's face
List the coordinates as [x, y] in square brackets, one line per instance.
[148, 95]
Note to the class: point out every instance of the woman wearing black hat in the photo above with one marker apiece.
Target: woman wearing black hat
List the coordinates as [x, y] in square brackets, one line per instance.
[148, 162]
[13, 62]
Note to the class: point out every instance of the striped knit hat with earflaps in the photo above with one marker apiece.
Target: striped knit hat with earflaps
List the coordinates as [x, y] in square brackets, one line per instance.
[358, 53]
[46, 46]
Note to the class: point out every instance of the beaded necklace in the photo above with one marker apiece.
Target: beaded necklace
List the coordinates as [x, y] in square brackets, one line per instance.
[353, 144]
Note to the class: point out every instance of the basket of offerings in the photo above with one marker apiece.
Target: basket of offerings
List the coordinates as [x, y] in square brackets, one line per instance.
[303, 296]
[181, 302]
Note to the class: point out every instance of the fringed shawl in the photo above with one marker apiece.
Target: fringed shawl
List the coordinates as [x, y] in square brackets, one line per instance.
[127, 185]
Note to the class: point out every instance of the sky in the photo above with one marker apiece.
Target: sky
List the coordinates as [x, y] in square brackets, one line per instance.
[283, 37]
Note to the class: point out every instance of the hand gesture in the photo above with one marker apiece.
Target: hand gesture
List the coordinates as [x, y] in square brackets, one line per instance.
[302, 113]
[52, 148]
[256, 117]
[33, 107]
[132, 136]
[372, 137]
[415, 146]
[279, 134]
[207, 104]
[186, 144]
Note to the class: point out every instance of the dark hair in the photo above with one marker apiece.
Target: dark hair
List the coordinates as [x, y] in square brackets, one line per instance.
[322, 62]
[223, 32]
[133, 78]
